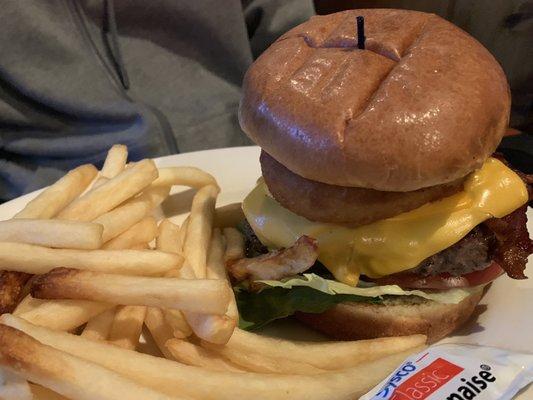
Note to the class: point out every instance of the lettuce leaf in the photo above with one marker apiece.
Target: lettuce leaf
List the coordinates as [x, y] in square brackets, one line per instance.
[331, 287]
[311, 293]
[258, 309]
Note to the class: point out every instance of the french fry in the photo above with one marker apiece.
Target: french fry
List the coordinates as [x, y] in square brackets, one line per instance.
[184, 176]
[234, 245]
[112, 193]
[175, 318]
[14, 387]
[127, 326]
[64, 315]
[199, 229]
[327, 355]
[28, 303]
[57, 196]
[214, 328]
[141, 246]
[215, 257]
[175, 379]
[25, 290]
[12, 286]
[42, 393]
[52, 233]
[159, 329]
[98, 328]
[168, 237]
[177, 322]
[40, 260]
[229, 215]
[216, 269]
[255, 362]
[168, 240]
[128, 214]
[191, 354]
[142, 232]
[114, 164]
[65, 374]
[115, 161]
[182, 234]
[211, 296]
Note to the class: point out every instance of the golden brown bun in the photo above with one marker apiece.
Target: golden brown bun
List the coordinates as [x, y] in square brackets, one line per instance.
[350, 321]
[318, 201]
[423, 105]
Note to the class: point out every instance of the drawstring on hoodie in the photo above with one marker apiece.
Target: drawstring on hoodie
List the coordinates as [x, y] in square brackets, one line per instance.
[111, 36]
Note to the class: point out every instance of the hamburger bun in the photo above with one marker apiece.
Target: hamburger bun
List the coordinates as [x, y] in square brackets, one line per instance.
[423, 105]
[351, 321]
[318, 201]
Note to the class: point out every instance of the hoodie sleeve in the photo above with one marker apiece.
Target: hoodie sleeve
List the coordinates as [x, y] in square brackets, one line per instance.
[61, 102]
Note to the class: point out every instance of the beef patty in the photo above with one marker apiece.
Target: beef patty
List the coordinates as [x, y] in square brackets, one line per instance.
[471, 253]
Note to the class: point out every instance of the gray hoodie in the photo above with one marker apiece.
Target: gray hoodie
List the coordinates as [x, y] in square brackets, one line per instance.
[161, 76]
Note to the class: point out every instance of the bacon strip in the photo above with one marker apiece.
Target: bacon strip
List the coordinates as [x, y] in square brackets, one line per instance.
[278, 264]
[513, 244]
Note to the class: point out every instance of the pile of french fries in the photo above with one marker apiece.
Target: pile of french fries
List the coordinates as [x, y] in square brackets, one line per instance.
[104, 268]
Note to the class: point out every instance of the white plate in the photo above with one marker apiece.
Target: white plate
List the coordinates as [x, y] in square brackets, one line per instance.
[506, 320]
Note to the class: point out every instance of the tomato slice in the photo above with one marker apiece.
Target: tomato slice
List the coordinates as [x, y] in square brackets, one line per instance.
[443, 281]
[485, 275]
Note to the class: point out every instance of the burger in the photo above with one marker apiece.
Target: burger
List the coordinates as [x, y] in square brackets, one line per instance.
[383, 209]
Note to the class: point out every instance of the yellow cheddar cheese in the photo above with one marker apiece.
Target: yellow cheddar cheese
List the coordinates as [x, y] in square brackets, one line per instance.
[395, 244]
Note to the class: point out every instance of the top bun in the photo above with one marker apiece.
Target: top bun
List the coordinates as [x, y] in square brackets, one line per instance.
[424, 104]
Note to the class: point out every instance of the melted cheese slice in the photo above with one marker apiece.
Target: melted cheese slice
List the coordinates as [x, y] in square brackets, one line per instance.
[395, 244]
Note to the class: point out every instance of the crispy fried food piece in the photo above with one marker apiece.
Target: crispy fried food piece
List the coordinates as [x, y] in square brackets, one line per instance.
[11, 285]
[278, 264]
[319, 201]
[513, 244]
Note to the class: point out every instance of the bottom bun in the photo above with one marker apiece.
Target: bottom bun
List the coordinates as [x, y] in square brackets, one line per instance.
[350, 321]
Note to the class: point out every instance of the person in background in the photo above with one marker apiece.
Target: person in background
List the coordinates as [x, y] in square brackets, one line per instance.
[164, 76]
[161, 76]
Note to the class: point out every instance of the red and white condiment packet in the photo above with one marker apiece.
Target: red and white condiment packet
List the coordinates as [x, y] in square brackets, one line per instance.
[457, 372]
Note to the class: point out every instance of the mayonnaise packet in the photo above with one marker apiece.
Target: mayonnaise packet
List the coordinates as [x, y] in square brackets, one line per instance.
[457, 372]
